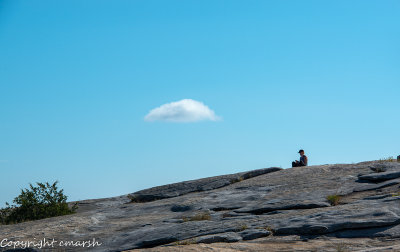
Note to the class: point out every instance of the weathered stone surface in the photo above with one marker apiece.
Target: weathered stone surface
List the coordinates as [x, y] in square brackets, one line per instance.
[381, 176]
[368, 187]
[364, 214]
[180, 208]
[206, 184]
[384, 166]
[226, 237]
[252, 234]
[290, 243]
[378, 167]
[236, 208]
[274, 205]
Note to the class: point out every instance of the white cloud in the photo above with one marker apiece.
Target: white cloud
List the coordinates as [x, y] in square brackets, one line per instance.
[186, 110]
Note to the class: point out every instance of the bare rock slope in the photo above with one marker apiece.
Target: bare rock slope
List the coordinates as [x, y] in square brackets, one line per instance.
[268, 209]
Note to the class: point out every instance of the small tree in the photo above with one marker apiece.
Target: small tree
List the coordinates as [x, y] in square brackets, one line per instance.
[38, 202]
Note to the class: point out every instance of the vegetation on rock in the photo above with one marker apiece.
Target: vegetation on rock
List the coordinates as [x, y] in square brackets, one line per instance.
[37, 202]
[333, 199]
[198, 217]
[388, 159]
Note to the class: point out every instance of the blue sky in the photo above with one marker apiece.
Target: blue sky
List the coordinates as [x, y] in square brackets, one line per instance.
[77, 79]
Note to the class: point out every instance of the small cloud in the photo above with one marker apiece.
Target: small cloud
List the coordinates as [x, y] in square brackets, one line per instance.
[186, 110]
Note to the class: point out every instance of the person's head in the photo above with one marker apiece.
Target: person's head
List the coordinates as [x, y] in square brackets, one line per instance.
[301, 152]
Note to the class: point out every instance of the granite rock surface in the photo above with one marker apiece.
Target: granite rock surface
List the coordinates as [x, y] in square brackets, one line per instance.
[252, 209]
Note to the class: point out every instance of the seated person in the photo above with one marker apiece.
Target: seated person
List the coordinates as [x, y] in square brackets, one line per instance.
[303, 160]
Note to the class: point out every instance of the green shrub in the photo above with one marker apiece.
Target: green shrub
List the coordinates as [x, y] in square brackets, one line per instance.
[38, 202]
[236, 180]
[132, 198]
[242, 227]
[333, 199]
[198, 217]
[268, 228]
